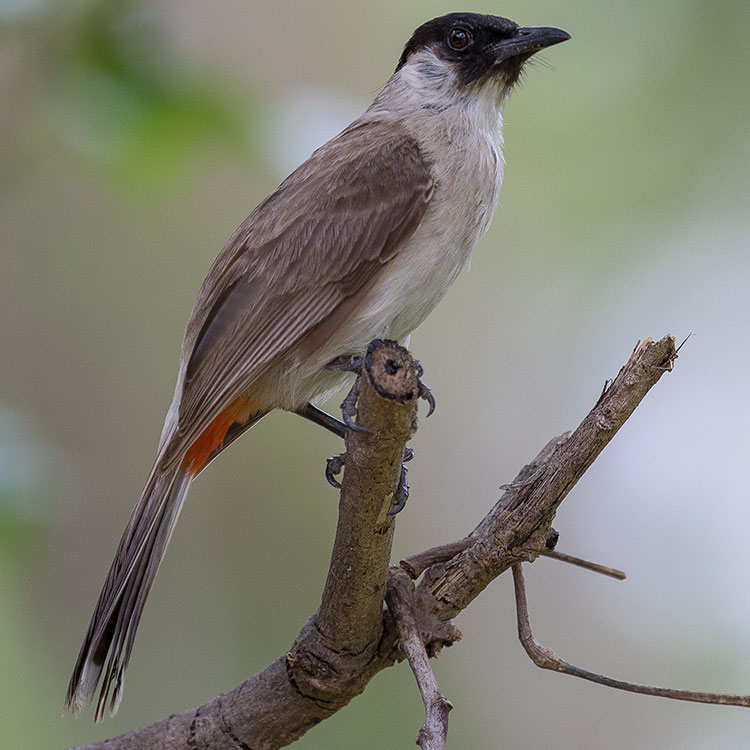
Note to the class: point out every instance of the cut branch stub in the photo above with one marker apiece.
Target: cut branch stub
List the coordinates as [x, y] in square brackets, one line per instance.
[391, 371]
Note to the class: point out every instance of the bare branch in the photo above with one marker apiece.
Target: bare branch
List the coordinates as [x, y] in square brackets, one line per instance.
[545, 658]
[415, 565]
[350, 614]
[517, 529]
[400, 599]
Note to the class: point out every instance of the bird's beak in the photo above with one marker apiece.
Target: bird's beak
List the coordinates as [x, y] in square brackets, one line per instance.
[528, 40]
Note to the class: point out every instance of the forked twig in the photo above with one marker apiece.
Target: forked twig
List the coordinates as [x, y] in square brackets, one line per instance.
[545, 658]
[400, 599]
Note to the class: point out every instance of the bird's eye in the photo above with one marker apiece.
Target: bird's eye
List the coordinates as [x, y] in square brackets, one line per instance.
[459, 38]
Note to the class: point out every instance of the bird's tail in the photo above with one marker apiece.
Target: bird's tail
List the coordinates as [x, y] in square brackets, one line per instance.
[111, 632]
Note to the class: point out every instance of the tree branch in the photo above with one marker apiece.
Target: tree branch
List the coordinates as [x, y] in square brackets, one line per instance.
[518, 528]
[345, 644]
[587, 564]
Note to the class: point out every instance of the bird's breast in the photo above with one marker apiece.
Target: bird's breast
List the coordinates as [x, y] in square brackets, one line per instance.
[467, 166]
[467, 169]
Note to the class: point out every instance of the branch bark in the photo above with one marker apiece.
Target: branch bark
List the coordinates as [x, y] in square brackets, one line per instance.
[351, 638]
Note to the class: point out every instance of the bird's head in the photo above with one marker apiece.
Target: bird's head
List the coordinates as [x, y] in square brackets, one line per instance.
[471, 50]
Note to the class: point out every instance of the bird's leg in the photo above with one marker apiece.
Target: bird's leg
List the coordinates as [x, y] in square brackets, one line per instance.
[349, 404]
[324, 419]
[335, 464]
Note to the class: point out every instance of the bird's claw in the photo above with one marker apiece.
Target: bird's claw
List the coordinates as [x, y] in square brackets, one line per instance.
[423, 390]
[402, 491]
[334, 465]
[349, 408]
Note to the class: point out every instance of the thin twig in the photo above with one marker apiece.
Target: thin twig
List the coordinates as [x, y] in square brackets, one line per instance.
[400, 599]
[545, 658]
[684, 341]
[587, 564]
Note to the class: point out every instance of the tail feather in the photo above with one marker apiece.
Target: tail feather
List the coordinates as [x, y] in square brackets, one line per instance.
[111, 631]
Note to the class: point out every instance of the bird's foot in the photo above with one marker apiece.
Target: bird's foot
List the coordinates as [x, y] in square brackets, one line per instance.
[402, 491]
[348, 407]
[346, 363]
[349, 404]
[335, 464]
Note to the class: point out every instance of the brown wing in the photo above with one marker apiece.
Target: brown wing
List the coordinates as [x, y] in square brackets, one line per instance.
[317, 240]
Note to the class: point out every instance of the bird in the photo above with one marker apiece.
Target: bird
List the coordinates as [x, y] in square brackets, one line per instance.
[359, 242]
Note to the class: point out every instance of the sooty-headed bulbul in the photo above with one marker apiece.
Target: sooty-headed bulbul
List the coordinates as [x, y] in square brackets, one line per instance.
[359, 242]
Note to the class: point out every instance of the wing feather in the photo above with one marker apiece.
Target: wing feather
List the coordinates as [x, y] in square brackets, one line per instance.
[315, 242]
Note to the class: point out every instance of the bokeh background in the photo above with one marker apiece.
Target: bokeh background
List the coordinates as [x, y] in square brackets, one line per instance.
[137, 135]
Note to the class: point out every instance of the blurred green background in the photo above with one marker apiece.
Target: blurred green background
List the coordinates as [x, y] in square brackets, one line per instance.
[137, 135]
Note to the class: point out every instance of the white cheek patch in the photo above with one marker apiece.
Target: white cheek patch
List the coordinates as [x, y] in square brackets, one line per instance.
[429, 78]
[428, 65]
